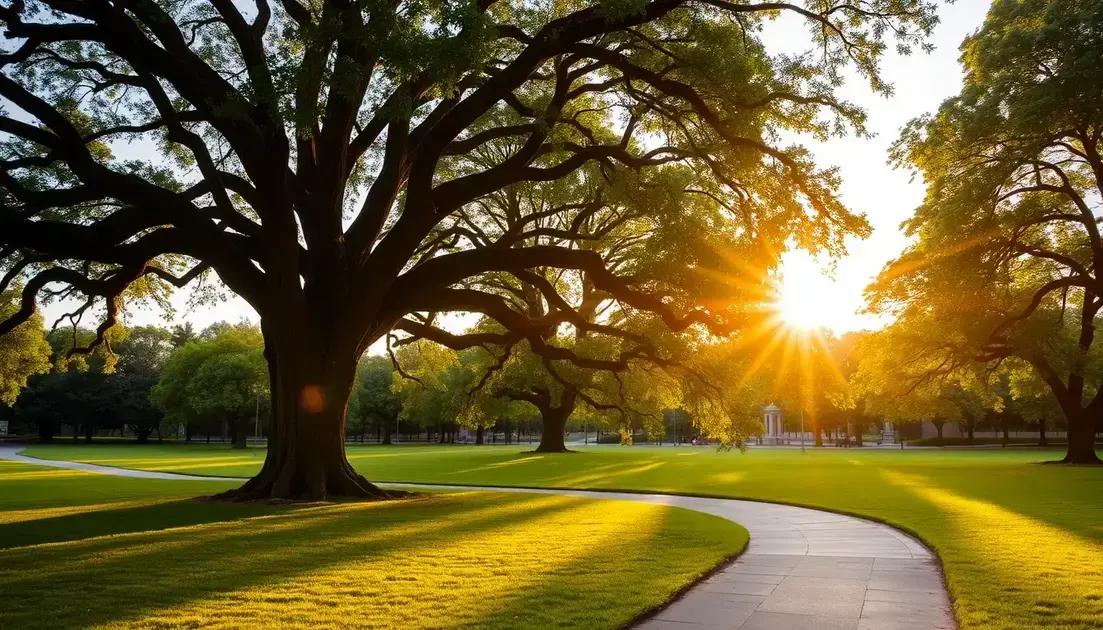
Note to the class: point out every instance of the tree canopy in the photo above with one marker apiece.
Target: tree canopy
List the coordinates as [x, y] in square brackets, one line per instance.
[1008, 252]
[328, 161]
[24, 352]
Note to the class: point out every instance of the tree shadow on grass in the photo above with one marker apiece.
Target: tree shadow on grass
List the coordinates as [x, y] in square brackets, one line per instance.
[182, 576]
[126, 520]
[1065, 497]
[678, 551]
[1003, 564]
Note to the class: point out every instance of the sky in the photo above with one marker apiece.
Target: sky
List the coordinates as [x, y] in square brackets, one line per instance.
[820, 292]
[814, 291]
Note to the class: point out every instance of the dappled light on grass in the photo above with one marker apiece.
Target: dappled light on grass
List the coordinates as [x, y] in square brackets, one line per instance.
[216, 460]
[471, 576]
[170, 465]
[37, 514]
[513, 462]
[607, 476]
[1056, 575]
[1047, 499]
[469, 559]
[43, 508]
[6, 474]
[728, 477]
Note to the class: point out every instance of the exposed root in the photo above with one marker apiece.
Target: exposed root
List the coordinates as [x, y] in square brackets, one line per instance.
[349, 486]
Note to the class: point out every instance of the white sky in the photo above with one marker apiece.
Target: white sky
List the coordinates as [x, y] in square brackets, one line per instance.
[812, 293]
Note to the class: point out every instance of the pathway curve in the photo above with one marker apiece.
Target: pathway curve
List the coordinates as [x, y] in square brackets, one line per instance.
[803, 569]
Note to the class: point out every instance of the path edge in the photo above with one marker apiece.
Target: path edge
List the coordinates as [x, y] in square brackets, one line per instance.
[694, 583]
[704, 495]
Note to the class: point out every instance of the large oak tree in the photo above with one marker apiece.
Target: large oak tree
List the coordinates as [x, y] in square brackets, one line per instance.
[1008, 255]
[315, 154]
[615, 364]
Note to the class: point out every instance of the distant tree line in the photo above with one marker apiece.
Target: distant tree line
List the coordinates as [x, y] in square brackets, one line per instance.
[125, 387]
[178, 383]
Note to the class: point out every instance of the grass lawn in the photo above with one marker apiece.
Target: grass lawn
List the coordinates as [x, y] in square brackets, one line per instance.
[85, 550]
[1021, 543]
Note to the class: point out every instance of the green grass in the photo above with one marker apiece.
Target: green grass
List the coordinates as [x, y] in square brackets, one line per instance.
[982, 441]
[1021, 543]
[86, 550]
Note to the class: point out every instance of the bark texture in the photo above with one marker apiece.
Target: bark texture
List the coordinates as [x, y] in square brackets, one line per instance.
[554, 429]
[1081, 443]
[311, 383]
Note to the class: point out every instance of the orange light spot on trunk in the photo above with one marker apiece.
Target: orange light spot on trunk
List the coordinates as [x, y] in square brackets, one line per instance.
[312, 399]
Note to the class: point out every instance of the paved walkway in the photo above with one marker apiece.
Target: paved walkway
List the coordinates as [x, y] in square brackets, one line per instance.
[804, 569]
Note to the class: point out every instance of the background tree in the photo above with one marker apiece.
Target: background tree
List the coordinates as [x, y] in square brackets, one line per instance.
[311, 154]
[1009, 253]
[373, 403]
[433, 385]
[216, 382]
[72, 350]
[52, 399]
[605, 359]
[182, 334]
[899, 381]
[1033, 399]
[24, 352]
[106, 388]
[614, 399]
[142, 353]
[144, 350]
[850, 400]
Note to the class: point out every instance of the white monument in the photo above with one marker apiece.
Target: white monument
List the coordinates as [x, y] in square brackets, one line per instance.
[773, 419]
[888, 435]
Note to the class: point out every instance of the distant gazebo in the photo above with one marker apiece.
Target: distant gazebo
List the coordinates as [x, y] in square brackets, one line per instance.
[773, 418]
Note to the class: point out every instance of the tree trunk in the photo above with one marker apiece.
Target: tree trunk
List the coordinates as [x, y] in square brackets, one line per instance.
[479, 430]
[969, 429]
[1042, 441]
[311, 380]
[239, 435]
[387, 429]
[938, 425]
[554, 429]
[1081, 442]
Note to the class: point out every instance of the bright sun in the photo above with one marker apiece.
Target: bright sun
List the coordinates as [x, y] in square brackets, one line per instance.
[808, 298]
[795, 307]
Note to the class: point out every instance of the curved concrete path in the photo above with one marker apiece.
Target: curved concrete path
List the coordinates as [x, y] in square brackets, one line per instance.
[803, 569]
